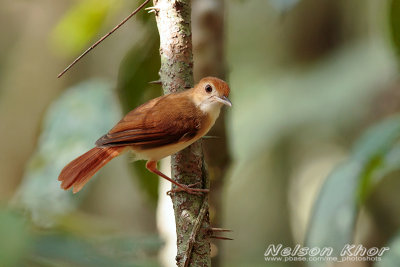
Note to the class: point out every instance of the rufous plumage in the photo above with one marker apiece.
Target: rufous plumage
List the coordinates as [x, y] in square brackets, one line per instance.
[154, 130]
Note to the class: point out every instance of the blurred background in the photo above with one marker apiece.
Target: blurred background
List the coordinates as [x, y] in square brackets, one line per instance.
[312, 137]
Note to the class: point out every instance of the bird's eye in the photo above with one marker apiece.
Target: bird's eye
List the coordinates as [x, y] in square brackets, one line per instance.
[208, 88]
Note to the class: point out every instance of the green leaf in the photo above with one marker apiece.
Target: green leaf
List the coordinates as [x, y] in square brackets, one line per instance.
[80, 24]
[334, 211]
[372, 149]
[378, 139]
[348, 186]
[139, 67]
[71, 126]
[391, 162]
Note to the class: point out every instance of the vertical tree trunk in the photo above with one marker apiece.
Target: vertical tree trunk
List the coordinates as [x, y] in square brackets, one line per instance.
[176, 73]
[208, 47]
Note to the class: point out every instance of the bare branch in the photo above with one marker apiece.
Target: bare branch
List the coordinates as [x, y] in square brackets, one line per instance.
[176, 73]
[103, 38]
[195, 232]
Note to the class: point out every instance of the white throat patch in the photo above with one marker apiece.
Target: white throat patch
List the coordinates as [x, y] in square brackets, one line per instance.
[211, 108]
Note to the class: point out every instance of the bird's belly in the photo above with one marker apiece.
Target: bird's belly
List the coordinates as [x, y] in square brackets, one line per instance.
[158, 153]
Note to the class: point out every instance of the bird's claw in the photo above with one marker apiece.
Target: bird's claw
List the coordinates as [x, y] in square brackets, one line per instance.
[152, 9]
[188, 189]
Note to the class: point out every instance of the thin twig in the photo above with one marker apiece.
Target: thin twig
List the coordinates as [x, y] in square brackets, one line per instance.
[214, 229]
[102, 38]
[156, 82]
[221, 237]
[195, 231]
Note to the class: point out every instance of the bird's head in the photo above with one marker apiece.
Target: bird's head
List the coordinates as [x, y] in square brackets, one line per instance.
[210, 94]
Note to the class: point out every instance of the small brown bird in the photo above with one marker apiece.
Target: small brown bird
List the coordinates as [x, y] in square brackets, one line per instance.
[154, 130]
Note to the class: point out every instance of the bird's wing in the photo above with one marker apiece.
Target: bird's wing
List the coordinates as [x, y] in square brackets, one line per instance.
[165, 120]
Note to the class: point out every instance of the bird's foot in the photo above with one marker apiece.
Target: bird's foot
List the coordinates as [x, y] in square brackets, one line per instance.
[189, 189]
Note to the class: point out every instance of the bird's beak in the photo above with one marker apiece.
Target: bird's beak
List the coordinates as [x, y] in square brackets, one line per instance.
[224, 100]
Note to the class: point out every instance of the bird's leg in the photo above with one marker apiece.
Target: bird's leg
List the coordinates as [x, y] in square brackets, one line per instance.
[152, 166]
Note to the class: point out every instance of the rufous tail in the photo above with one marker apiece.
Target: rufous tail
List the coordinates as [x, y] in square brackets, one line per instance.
[78, 172]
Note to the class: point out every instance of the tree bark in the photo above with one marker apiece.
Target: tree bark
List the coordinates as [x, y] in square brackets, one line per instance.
[176, 73]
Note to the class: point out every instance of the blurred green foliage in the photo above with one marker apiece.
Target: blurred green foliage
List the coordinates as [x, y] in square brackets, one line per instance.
[139, 67]
[64, 249]
[22, 244]
[283, 5]
[66, 133]
[376, 154]
[284, 109]
[333, 92]
[81, 23]
[392, 258]
[15, 238]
